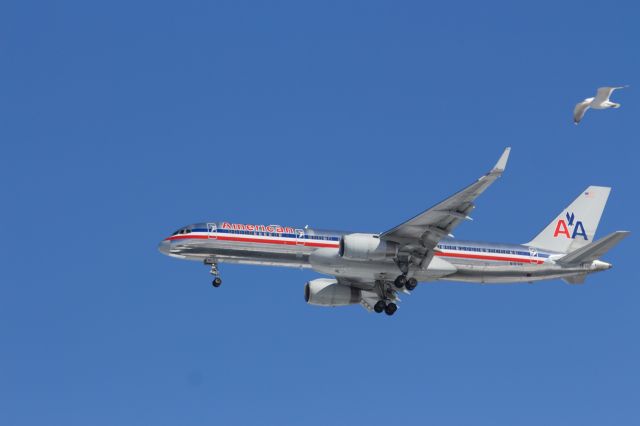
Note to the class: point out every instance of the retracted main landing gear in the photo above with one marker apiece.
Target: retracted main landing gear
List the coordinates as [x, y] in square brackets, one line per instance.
[217, 281]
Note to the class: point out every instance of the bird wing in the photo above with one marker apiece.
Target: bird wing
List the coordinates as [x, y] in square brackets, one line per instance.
[604, 93]
[579, 110]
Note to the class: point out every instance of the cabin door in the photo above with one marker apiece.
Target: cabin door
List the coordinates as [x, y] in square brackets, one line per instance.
[212, 231]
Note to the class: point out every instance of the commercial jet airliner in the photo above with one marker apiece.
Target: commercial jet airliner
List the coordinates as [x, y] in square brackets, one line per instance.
[373, 268]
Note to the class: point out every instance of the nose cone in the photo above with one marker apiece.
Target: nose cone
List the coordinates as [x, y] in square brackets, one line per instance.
[164, 247]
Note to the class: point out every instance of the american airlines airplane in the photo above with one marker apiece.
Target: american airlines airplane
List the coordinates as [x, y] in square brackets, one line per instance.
[373, 268]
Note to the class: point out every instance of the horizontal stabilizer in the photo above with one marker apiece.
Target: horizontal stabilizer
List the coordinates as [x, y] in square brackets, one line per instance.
[594, 250]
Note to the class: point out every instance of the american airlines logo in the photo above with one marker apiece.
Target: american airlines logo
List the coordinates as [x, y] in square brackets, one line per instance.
[260, 228]
[563, 227]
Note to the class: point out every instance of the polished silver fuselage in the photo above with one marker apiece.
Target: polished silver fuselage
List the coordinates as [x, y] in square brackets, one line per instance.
[274, 245]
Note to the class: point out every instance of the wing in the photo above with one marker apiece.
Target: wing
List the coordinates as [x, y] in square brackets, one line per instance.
[579, 111]
[419, 236]
[604, 93]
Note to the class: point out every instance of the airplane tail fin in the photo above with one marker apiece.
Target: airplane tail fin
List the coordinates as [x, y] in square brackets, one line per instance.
[576, 225]
[593, 251]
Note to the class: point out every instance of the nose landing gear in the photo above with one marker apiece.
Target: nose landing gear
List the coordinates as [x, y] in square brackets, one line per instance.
[217, 281]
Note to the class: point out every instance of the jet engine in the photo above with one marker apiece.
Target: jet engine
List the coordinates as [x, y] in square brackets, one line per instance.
[327, 292]
[366, 247]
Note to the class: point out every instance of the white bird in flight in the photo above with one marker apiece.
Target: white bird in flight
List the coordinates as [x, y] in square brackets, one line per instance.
[601, 101]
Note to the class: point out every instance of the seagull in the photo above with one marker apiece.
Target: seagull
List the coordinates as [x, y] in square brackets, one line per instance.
[601, 101]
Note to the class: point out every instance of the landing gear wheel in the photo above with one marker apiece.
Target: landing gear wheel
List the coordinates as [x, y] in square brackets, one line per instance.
[379, 306]
[214, 271]
[411, 284]
[400, 281]
[391, 309]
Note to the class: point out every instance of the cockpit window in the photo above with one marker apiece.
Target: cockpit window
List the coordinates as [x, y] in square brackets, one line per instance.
[182, 231]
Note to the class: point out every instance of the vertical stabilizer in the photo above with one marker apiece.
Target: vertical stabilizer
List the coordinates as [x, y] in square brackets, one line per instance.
[576, 225]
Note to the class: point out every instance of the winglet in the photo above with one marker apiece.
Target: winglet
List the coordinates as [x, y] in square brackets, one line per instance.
[502, 162]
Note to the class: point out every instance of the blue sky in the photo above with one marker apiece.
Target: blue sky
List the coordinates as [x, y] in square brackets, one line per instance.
[122, 121]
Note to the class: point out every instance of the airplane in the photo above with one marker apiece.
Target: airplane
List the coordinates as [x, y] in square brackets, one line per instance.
[373, 268]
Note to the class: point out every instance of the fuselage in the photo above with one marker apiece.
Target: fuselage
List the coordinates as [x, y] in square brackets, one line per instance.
[276, 245]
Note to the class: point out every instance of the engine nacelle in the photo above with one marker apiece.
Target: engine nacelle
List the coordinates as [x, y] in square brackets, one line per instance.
[327, 292]
[366, 247]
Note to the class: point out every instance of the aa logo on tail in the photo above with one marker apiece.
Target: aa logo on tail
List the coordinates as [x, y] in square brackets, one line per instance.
[562, 227]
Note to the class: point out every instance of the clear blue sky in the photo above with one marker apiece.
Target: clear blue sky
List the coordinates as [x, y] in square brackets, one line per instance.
[122, 121]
